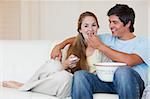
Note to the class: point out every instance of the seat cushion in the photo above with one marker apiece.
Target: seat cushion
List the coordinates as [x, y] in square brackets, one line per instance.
[8, 93]
[105, 96]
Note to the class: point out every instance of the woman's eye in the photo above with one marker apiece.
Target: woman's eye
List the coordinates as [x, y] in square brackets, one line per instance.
[85, 26]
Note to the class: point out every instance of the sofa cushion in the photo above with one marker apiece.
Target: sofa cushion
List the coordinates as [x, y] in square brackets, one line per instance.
[9, 93]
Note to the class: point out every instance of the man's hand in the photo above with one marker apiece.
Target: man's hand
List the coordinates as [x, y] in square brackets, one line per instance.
[56, 52]
[94, 41]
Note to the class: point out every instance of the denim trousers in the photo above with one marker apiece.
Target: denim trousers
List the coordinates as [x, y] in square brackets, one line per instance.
[127, 83]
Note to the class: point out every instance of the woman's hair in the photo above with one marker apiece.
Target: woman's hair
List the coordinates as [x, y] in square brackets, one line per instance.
[79, 45]
[83, 15]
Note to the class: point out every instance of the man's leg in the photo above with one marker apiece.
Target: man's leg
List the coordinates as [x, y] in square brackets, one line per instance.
[85, 84]
[128, 83]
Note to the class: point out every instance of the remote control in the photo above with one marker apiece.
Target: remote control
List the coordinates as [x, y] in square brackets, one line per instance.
[73, 59]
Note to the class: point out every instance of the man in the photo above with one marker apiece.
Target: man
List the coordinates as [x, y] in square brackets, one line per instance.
[121, 46]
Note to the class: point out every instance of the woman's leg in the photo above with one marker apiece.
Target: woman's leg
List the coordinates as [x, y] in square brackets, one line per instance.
[48, 68]
[58, 84]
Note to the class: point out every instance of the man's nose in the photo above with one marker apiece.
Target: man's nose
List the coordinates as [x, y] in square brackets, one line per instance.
[111, 25]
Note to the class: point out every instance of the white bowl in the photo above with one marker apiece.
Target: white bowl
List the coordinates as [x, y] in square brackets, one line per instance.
[105, 71]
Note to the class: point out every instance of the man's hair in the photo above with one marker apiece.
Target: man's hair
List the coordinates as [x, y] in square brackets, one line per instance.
[125, 14]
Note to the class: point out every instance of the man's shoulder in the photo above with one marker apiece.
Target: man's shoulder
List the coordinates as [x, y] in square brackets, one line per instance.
[105, 36]
[143, 40]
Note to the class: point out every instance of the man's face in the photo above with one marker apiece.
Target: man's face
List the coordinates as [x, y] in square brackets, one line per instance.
[117, 27]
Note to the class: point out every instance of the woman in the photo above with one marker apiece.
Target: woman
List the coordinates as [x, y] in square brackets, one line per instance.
[55, 77]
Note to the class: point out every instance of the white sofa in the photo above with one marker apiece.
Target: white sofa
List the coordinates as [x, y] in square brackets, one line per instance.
[19, 60]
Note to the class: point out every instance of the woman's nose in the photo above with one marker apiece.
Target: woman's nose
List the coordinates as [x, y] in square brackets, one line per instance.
[90, 28]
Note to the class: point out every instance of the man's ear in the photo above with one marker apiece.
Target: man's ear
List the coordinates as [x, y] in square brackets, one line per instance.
[128, 24]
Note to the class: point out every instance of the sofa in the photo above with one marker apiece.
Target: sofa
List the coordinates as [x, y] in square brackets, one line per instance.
[19, 59]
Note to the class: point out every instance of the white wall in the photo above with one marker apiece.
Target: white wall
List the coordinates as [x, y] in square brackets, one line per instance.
[9, 19]
[30, 20]
[59, 18]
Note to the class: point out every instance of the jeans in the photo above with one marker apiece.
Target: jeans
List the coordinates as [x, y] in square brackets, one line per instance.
[127, 83]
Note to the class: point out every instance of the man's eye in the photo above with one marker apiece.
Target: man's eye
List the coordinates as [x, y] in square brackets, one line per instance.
[115, 22]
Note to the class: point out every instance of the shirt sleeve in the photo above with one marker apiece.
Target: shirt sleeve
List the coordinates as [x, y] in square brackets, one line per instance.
[143, 50]
[105, 38]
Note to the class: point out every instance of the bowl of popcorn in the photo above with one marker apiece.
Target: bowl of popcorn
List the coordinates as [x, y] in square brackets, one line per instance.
[105, 70]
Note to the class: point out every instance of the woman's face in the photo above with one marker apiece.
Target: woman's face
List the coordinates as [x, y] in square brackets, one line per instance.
[88, 26]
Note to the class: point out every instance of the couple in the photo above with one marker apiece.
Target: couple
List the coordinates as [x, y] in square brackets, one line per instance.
[121, 46]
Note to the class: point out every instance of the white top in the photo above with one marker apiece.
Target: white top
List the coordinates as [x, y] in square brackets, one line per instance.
[96, 57]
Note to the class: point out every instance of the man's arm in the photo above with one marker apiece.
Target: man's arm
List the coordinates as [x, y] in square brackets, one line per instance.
[129, 59]
[56, 51]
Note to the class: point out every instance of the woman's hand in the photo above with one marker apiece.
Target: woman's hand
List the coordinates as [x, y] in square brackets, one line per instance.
[70, 62]
[56, 52]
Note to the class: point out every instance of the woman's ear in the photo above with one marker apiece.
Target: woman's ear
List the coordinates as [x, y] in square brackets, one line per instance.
[80, 31]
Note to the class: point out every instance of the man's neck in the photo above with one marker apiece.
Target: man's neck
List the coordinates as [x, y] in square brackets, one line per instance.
[128, 36]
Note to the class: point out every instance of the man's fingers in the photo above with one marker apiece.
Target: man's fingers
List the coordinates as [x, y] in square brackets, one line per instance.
[52, 57]
[59, 57]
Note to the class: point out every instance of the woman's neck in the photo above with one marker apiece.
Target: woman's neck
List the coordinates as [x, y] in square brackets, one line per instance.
[89, 51]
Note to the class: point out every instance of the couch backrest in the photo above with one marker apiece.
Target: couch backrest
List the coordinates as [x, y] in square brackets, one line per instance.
[20, 59]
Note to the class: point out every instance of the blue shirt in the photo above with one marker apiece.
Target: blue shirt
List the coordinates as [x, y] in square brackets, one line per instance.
[137, 45]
